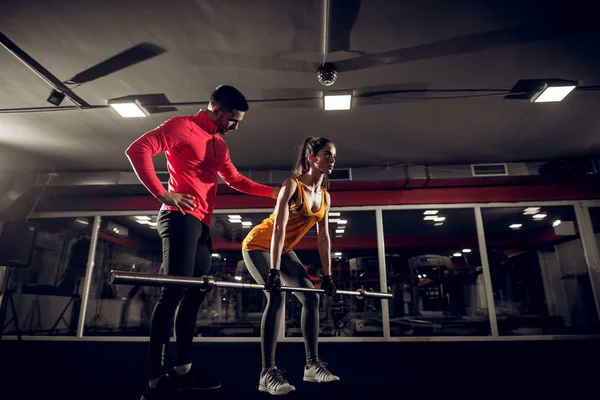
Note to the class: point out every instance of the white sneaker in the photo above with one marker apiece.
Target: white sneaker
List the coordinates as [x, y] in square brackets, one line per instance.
[274, 382]
[319, 373]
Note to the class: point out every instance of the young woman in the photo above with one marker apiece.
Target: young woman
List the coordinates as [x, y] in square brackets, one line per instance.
[270, 259]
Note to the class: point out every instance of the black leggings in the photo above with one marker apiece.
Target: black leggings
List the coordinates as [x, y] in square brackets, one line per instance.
[186, 247]
[292, 274]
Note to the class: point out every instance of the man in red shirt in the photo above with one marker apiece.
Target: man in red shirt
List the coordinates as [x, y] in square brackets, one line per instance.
[196, 156]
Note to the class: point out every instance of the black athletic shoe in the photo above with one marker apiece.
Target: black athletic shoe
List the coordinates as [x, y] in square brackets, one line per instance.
[193, 381]
[162, 391]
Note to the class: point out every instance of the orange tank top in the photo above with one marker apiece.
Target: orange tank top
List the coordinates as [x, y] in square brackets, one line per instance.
[300, 220]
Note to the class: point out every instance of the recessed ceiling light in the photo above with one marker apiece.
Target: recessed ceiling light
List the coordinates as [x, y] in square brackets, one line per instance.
[551, 93]
[129, 108]
[337, 102]
[430, 212]
[515, 226]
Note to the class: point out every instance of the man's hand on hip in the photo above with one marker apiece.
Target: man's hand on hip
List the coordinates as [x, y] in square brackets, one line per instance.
[180, 200]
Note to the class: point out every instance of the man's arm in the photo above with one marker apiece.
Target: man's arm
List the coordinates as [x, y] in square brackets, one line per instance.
[229, 173]
[140, 152]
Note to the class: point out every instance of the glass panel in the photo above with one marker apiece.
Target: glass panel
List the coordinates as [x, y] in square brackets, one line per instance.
[538, 270]
[433, 268]
[128, 243]
[228, 311]
[238, 312]
[595, 217]
[47, 293]
[355, 265]
[133, 244]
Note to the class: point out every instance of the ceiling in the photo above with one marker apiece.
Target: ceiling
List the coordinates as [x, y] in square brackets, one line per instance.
[265, 48]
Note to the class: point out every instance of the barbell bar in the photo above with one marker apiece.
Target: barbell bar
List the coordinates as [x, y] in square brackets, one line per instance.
[207, 282]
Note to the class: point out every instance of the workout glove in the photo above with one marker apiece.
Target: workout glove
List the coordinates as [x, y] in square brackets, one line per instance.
[273, 281]
[328, 286]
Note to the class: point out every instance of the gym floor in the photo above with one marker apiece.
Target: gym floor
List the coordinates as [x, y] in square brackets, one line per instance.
[116, 370]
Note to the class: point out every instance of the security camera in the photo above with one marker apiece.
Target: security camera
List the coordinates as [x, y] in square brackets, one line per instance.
[327, 74]
[56, 97]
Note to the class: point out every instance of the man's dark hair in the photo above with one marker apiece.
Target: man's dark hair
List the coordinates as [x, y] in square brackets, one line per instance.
[229, 98]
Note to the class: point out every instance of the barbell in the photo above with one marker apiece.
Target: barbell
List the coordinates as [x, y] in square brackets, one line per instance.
[207, 282]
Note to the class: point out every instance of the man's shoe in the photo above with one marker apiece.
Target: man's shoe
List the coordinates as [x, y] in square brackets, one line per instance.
[160, 392]
[192, 381]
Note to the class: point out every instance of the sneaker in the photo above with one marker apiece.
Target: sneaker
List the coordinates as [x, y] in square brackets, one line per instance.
[319, 373]
[274, 382]
[192, 381]
[162, 390]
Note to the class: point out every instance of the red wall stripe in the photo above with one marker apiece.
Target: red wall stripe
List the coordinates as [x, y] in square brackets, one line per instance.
[372, 197]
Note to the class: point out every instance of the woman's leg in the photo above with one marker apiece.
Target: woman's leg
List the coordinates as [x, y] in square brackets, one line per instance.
[272, 379]
[294, 274]
[258, 264]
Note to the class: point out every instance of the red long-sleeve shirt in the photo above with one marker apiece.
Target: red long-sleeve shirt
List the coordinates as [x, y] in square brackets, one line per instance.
[196, 155]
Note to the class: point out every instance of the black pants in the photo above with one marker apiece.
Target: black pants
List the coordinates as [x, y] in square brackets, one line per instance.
[186, 247]
[292, 273]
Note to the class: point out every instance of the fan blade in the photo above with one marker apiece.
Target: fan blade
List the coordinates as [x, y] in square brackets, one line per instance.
[471, 43]
[125, 59]
[291, 98]
[384, 94]
[207, 58]
[342, 17]
[365, 95]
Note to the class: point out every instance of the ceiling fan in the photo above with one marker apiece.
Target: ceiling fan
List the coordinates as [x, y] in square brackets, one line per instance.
[339, 18]
[122, 60]
[339, 21]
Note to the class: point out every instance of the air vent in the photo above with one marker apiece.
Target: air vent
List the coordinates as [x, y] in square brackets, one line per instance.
[489, 169]
[344, 174]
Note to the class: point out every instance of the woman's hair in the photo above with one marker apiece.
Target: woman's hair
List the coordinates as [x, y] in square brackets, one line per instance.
[312, 145]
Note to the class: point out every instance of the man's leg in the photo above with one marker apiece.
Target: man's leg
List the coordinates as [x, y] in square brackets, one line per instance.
[179, 254]
[187, 317]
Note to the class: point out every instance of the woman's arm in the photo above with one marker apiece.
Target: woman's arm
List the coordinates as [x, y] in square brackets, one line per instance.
[282, 213]
[324, 240]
